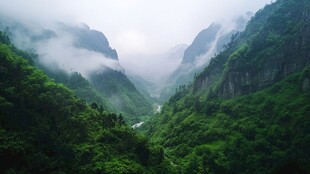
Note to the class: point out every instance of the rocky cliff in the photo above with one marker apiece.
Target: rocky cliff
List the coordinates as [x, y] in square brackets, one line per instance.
[206, 44]
[263, 57]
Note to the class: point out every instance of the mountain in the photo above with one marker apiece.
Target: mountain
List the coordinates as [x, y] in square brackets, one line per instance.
[121, 93]
[202, 43]
[144, 87]
[44, 128]
[76, 55]
[92, 40]
[206, 44]
[113, 84]
[248, 111]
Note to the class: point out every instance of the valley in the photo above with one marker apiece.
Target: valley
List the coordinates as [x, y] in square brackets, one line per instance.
[235, 100]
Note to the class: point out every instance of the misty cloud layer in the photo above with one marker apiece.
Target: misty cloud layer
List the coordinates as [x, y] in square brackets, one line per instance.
[61, 52]
[167, 62]
[141, 31]
[56, 47]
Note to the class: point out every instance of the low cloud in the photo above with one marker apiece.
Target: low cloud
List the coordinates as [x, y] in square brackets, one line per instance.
[139, 30]
[56, 46]
[155, 68]
[61, 52]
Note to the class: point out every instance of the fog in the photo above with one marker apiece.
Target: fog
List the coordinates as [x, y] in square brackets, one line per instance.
[155, 68]
[60, 52]
[141, 31]
[57, 46]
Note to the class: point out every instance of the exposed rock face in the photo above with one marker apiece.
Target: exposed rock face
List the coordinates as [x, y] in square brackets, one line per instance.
[239, 81]
[271, 54]
[206, 44]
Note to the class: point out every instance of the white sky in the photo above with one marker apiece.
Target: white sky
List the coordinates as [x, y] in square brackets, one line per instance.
[135, 27]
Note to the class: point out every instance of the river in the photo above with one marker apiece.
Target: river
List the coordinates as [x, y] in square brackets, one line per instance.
[137, 125]
[158, 110]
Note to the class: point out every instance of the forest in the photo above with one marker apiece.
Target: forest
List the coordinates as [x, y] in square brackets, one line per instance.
[247, 112]
[45, 128]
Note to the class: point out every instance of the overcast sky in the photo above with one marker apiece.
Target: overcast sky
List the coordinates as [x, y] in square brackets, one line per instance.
[135, 27]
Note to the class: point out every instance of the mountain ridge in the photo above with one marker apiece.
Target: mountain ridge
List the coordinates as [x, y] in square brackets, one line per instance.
[76, 54]
[276, 63]
[44, 128]
[226, 122]
[206, 44]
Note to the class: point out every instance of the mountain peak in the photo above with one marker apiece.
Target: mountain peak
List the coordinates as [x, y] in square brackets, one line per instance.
[92, 40]
[201, 43]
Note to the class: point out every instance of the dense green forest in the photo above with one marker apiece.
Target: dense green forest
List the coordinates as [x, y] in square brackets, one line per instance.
[122, 93]
[110, 89]
[104, 85]
[44, 128]
[249, 110]
[257, 133]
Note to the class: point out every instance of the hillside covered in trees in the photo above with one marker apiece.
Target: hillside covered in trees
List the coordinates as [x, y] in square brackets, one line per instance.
[44, 128]
[249, 110]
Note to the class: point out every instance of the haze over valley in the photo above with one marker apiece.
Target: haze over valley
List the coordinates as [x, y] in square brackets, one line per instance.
[144, 34]
[133, 86]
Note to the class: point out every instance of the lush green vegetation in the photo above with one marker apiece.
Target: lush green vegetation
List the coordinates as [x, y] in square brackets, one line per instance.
[257, 133]
[45, 129]
[110, 89]
[122, 94]
[80, 86]
[248, 112]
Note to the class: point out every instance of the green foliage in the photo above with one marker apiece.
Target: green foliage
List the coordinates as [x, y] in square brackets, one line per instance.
[110, 89]
[256, 133]
[80, 86]
[44, 128]
[248, 111]
[122, 94]
[84, 90]
[4, 39]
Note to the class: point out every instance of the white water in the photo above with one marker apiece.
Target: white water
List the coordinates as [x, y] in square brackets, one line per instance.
[137, 125]
[158, 108]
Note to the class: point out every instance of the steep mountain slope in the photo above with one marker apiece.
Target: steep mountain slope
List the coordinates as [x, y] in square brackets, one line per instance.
[143, 87]
[206, 44]
[202, 43]
[248, 111]
[113, 85]
[262, 55]
[66, 52]
[121, 93]
[45, 129]
[92, 40]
